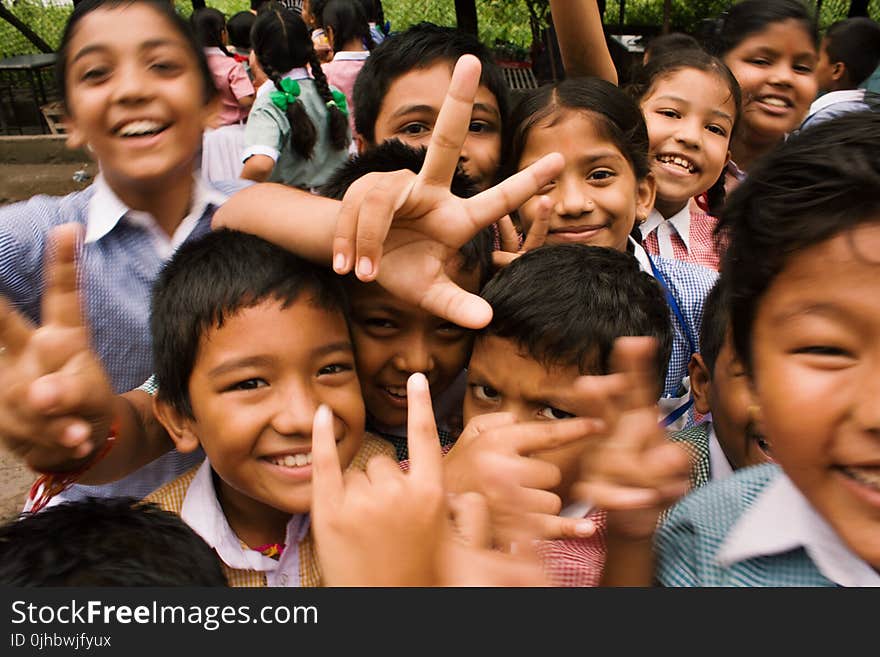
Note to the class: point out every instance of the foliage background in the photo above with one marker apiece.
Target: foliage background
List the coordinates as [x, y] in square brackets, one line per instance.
[504, 21]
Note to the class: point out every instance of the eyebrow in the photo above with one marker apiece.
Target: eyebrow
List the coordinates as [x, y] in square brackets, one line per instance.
[601, 155]
[262, 360]
[827, 310]
[146, 45]
[679, 99]
[429, 109]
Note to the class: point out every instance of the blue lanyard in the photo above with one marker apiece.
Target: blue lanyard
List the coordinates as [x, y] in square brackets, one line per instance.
[692, 344]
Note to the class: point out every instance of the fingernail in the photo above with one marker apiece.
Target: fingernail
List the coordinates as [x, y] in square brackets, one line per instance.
[75, 434]
[418, 381]
[339, 262]
[585, 528]
[365, 267]
[323, 415]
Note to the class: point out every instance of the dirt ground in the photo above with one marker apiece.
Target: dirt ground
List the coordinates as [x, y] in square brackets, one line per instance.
[19, 182]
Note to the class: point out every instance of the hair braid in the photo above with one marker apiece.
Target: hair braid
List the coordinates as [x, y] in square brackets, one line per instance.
[716, 195]
[337, 120]
[303, 134]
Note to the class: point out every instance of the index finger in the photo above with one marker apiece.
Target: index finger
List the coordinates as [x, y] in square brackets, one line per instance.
[426, 459]
[451, 126]
[61, 304]
[634, 358]
[529, 437]
[327, 484]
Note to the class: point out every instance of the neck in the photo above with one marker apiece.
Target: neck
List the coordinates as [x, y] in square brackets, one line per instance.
[669, 208]
[747, 147]
[353, 45]
[167, 200]
[253, 522]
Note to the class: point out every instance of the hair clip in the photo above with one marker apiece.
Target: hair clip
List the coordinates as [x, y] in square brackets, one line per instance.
[339, 101]
[287, 95]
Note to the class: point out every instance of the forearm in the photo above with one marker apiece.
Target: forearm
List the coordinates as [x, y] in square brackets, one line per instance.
[292, 218]
[582, 39]
[628, 562]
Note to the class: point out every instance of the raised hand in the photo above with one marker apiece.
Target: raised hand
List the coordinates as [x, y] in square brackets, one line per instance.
[510, 246]
[429, 222]
[56, 403]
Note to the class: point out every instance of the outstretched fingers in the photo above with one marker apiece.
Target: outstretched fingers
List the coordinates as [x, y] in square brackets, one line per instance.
[328, 488]
[61, 304]
[426, 458]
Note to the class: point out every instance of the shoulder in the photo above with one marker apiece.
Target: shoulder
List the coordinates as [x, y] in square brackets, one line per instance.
[372, 446]
[694, 529]
[696, 441]
[170, 496]
[686, 275]
[41, 212]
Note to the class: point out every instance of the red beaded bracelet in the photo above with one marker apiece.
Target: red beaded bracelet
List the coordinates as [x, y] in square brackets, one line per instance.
[50, 484]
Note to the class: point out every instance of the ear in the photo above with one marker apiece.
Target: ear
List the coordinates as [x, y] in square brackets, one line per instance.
[177, 426]
[838, 71]
[701, 381]
[646, 192]
[726, 162]
[75, 137]
[331, 38]
[361, 144]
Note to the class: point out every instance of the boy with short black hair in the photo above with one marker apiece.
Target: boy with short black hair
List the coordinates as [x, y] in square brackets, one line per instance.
[557, 312]
[730, 439]
[849, 53]
[248, 340]
[401, 87]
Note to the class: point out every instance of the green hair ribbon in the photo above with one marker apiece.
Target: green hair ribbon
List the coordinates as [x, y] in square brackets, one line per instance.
[338, 101]
[287, 96]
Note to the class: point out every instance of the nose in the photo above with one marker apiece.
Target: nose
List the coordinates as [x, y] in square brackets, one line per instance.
[572, 199]
[132, 84]
[867, 402]
[295, 410]
[689, 132]
[415, 355]
[780, 74]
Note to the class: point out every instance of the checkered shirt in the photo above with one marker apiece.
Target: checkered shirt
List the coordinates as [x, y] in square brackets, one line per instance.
[703, 250]
[170, 497]
[695, 529]
[696, 442]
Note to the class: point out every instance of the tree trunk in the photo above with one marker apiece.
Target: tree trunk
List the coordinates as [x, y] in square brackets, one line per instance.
[858, 8]
[28, 33]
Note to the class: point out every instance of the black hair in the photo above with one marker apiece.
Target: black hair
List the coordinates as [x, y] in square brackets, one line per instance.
[208, 24]
[394, 155]
[856, 43]
[281, 41]
[818, 184]
[163, 8]
[672, 42]
[749, 17]
[419, 47]
[257, 5]
[567, 304]
[616, 115]
[212, 278]
[239, 29]
[347, 20]
[375, 13]
[105, 542]
[716, 322]
[667, 63]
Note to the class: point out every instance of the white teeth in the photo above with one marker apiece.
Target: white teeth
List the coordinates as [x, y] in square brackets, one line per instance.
[866, 475]
[775, 102]
[396, 391]
[678, 161]
[137, 128]
[292, 460]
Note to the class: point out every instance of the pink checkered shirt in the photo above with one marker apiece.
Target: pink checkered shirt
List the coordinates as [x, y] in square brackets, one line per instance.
[576, 561]
[687, 235]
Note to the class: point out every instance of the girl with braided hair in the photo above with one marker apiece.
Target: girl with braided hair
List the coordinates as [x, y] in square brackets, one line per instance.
[297, 133]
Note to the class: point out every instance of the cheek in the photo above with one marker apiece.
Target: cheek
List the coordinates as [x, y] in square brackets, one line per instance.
[371, 355]
[451, 358]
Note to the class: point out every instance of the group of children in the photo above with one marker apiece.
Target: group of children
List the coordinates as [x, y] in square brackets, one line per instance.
[446, 412]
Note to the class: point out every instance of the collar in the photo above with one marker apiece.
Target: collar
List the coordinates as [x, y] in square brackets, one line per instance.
[351, 55]
[680, 221]
[719, 466]
[832, 97]
[214, 50]
[735, 171]
[781, 519]
[201, 510]
[641, 256]
[294, 74]
[106, 210]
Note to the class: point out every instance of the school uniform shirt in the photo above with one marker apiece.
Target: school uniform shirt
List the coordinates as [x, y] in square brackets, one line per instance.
[268, 133]
[341, 72]
[754, 528]
[232, 81]
[834, 104]
[708, 461]
[687, 235]
[194, 498]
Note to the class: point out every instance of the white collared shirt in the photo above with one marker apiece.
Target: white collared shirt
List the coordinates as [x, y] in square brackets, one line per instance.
[351, 55]
[780, 520]
[106, 210]
[679, 223]
[832, 97]
[201, 510]
[719, 466]
[300, 73]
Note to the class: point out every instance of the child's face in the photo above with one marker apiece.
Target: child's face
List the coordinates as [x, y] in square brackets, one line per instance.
[503, 379]
[690, 115]
[775, 69]
[824, 69]
[394, 339]
[596, 198]
[409, 111]
[135, 97]
[255, 386]
[816, 375]
[725, 394]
